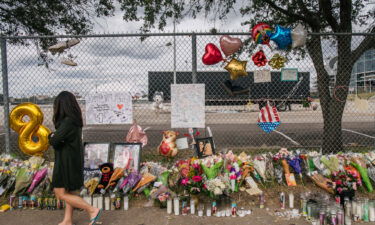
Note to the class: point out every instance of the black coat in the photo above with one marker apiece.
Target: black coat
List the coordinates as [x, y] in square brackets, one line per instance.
[67, 142]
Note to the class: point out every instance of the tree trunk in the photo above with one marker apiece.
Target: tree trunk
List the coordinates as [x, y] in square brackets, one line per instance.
[332, 106]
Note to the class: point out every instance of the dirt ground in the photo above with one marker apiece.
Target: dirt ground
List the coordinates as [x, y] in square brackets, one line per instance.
[138, 214]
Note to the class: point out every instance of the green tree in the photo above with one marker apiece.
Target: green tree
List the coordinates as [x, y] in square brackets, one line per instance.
[49, 17]
[317, 15]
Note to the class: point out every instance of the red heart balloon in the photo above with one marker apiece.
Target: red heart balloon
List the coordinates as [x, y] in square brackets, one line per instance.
[212, 55]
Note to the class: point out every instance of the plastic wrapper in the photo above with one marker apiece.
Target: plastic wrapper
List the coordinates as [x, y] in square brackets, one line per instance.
[332, 164]
[117, 174]
[130, 181]
[38, 177]
[260, 166]
[23, 180]
[322, 182]
[145, 180]
[361, 167]
[212, 172]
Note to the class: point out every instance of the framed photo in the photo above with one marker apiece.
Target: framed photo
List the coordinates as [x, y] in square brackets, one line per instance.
[95, 154]
[125, 153]
[289, 74]
[204, 147]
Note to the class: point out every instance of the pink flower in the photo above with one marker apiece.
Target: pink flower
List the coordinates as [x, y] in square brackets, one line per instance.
[339, 190]
[232, 177]
[185, 181]
[197, 178]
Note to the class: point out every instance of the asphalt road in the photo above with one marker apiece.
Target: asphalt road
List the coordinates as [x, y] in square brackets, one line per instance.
[240, 135]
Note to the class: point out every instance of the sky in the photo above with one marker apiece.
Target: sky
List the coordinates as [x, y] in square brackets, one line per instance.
[122, 64]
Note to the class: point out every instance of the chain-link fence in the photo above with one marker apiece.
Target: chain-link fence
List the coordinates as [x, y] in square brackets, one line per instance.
[143, 66]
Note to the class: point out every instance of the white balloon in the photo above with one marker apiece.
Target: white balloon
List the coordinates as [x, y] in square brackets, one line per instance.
[299, 35]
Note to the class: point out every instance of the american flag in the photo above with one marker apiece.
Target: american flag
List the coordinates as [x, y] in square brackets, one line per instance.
[268, 119]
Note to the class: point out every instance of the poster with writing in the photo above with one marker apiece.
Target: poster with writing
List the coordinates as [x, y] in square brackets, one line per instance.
[95, 154]
[109, 108]
[262, 76]
[289, 74]
[188, 105]
[127, 155]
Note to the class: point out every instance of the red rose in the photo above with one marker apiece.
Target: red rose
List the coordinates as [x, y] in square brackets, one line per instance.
[196, 178]
[338, 182]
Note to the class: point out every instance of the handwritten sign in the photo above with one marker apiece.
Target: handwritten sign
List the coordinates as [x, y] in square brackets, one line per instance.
[288, 74]
[109, 108]
[95, 154]
[188, 105]
[262, 76]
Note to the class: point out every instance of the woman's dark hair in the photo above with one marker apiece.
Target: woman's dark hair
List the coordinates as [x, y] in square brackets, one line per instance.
[66, 105]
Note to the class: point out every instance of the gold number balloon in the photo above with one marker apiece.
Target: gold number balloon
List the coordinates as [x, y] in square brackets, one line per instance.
[28, 130]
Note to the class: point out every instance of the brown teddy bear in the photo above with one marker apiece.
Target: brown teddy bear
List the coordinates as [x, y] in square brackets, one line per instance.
[107, 171]
[168, 146]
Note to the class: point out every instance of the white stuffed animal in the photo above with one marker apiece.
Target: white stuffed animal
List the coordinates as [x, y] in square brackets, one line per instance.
[158, 101]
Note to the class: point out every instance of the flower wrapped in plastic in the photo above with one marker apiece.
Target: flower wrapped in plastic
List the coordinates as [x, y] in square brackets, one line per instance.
[295, 163]
[152, 167]
[35, 162]
[322, 181]
[211, 166]
[91, 185]
[259, 163]
[117, 174]
[146, 179]
[38, 177]
[217, 186]
[331, 163]
[130, 181]
[360, 165]
[24, 177]
[183, 167]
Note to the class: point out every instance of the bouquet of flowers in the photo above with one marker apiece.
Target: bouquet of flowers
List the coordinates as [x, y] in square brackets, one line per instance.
[211, 166]
[130, 181]
[23, 180]
[259, 163]
[295, 163]
[345, 181]
[38, 177]
[360, 165]
[217, 186]
[331, 163]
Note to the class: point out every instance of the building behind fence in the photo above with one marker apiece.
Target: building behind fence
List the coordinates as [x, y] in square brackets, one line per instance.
[130, 63]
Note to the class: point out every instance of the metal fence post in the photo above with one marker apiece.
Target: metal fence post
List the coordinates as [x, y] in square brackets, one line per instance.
[194, 58]
[4, 68]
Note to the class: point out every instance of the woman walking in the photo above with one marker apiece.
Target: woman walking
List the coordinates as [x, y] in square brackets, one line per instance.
[67, 176]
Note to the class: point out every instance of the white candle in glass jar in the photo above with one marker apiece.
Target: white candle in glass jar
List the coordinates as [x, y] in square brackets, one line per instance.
[100, 202]
[107, 203]
[176, 204]
[208, 212]
[291, 200]
[372, 211]
[169, 206]
[126, 203]
[95, 202]
[192, 206]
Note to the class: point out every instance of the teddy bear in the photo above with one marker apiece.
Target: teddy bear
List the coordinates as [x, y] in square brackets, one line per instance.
[168, 145]
[107, 171]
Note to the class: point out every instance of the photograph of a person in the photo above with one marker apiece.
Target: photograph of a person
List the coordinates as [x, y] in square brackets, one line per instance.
[95, 154]
[127, 155]
[204, 147]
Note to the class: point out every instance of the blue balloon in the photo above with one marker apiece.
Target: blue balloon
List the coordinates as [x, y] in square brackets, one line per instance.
[282, 37]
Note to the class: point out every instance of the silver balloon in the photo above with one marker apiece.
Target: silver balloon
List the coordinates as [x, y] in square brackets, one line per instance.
[299, 35]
